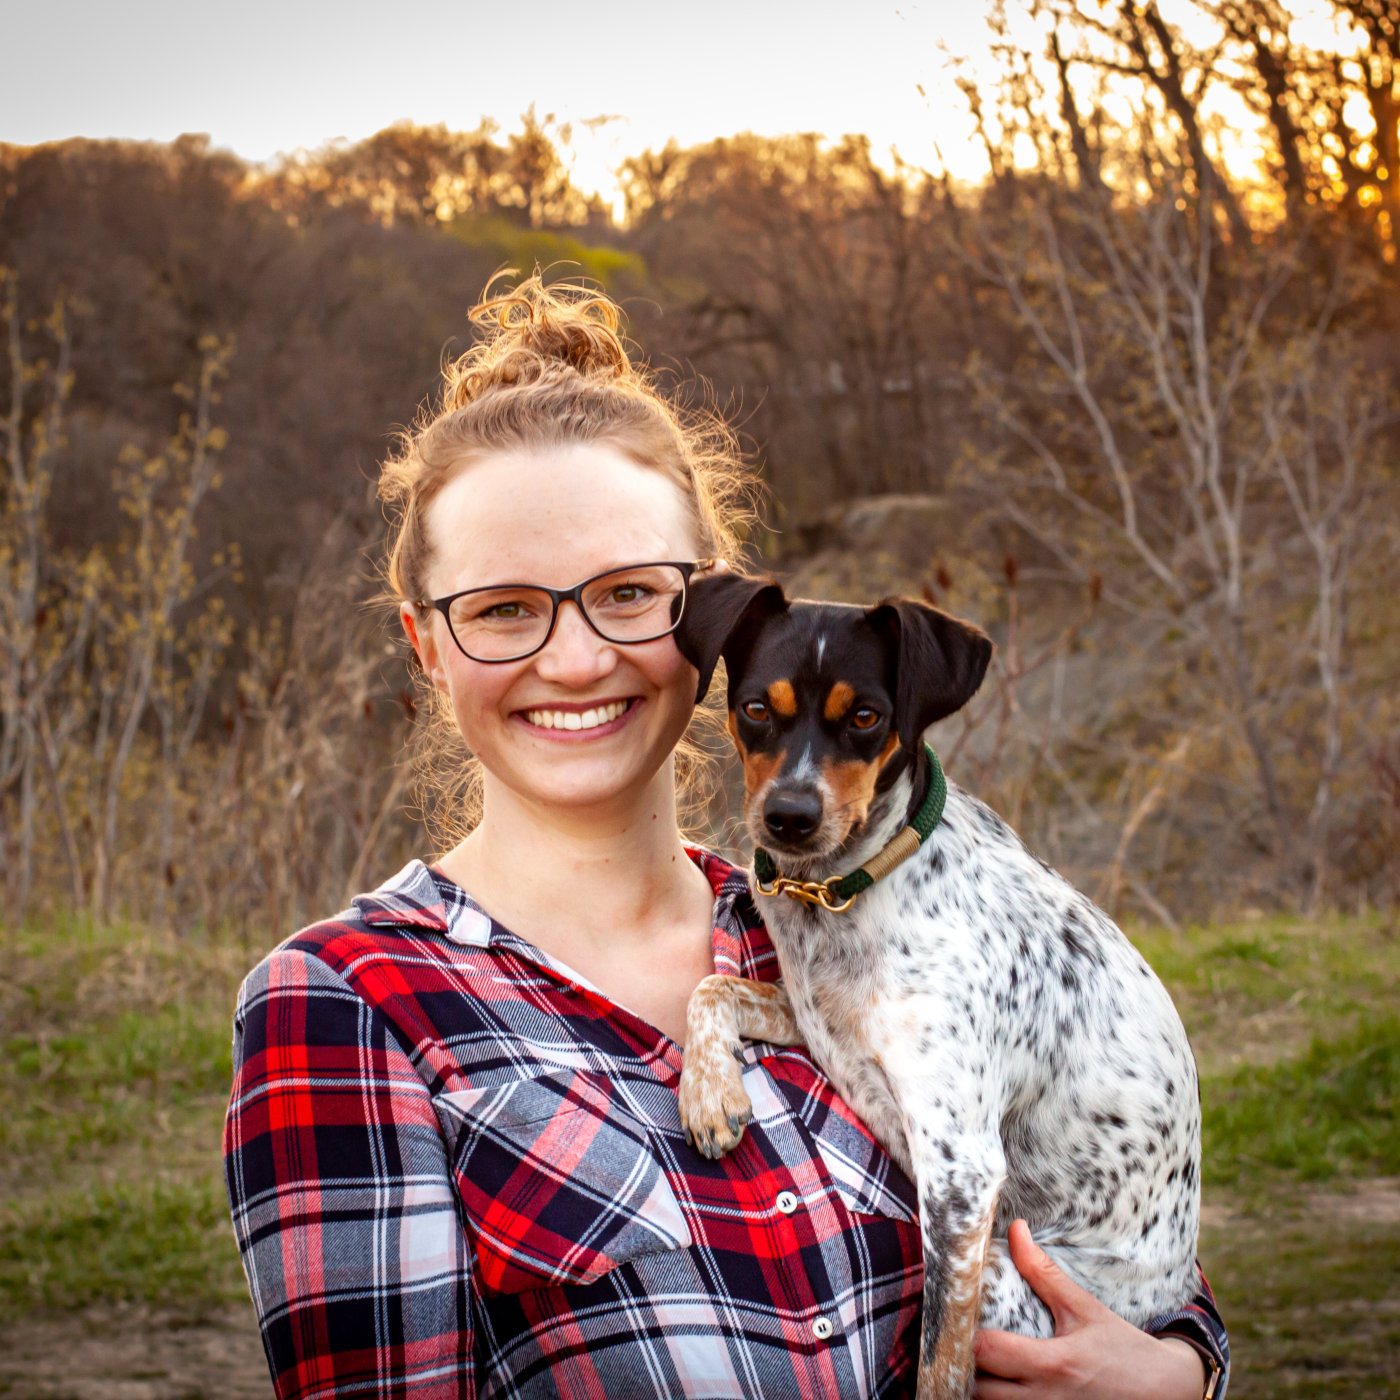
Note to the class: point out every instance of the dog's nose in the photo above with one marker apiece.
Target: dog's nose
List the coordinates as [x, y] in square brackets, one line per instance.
[792, 816]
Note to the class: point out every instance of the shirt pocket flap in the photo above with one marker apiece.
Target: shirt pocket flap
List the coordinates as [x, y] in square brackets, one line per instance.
[559, 1182]
[864, 1177]
[862, 1174]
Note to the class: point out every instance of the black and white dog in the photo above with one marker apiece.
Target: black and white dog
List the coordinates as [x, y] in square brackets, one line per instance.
[998, 1034]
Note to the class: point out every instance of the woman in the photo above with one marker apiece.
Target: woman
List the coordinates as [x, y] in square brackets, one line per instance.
[453, 1150]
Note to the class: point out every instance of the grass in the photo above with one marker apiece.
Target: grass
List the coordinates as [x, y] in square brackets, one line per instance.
[1326, 1113]
[115, 1073]
[1297, 1036]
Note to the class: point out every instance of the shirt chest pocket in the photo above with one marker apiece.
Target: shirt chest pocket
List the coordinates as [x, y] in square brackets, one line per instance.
[559, 1182]
[861, 1174]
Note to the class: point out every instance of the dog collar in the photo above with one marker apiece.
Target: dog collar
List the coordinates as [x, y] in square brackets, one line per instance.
[837, 893]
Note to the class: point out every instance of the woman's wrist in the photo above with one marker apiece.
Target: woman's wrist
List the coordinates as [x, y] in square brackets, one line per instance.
[1187, 1363]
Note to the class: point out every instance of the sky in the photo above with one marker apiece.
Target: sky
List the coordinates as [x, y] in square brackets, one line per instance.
[261, 78]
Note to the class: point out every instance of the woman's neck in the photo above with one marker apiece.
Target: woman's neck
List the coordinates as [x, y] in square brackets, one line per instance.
[615, 877]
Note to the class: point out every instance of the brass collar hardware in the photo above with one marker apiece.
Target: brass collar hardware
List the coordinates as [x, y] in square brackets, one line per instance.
[819, 892]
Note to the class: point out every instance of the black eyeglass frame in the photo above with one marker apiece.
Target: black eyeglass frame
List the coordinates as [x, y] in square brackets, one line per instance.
[573, 595]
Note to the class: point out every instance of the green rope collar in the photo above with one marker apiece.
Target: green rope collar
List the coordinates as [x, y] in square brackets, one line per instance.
[839, 892]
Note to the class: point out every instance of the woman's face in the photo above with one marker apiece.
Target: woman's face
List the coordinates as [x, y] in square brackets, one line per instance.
[556, 516]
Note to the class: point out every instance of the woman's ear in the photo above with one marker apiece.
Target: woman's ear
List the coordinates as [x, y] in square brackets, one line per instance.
[939, 662]
[420, 638]
[719, 609]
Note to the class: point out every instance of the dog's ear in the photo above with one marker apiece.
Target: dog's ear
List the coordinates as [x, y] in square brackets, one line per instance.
[939, 662]
[719, 610]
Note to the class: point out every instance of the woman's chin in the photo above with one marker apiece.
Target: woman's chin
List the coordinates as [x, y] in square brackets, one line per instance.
[579, 777]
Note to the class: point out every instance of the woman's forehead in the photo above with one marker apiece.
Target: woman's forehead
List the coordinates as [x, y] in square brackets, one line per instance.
[554, 516]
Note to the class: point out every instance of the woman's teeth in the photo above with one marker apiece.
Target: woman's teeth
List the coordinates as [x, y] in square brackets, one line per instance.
[574, 719]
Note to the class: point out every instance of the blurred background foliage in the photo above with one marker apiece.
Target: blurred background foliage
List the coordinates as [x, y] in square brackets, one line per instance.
[1130, 409]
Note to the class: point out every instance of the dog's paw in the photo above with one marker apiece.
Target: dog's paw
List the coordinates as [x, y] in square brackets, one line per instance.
[714, 1106]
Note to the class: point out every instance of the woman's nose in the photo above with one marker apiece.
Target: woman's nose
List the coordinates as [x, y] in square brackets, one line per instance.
[574, 652]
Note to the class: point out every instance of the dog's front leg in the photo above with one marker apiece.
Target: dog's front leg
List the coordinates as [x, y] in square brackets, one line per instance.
[958, 1175]
[723, 1012]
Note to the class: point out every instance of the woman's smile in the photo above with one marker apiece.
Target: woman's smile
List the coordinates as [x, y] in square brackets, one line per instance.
[579, 723]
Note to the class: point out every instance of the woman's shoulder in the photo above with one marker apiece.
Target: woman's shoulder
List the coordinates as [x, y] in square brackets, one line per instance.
[380, 928]
[409, 899]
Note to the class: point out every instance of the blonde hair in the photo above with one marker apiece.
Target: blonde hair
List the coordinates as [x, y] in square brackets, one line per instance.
[550, 369]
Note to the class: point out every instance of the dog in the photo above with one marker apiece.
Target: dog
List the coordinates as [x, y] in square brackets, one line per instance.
[997, 1033]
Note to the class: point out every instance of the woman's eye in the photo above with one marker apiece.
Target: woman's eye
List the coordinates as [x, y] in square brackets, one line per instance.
[504, 612]
[865, 717]
[755, 710]
[630, 593]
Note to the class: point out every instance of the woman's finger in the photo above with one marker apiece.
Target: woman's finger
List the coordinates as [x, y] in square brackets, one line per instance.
[989, 1388]
[1068, 1302]
[1008, 1356]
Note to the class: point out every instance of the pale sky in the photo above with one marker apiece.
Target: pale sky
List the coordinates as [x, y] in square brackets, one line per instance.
[260, 77]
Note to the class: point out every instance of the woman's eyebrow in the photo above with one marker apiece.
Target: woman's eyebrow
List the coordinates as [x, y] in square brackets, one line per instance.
[519, 582]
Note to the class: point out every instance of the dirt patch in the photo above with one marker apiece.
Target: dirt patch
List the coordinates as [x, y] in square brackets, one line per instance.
[134, 1354]
[1370, 1201]
[1375, 1201]
[1306, 1278]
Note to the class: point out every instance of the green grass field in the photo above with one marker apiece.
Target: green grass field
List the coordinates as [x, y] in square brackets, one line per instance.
[118, 1267]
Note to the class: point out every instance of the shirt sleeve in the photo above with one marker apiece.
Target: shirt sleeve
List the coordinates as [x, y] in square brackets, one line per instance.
[1199, 1323]
[342, 1198]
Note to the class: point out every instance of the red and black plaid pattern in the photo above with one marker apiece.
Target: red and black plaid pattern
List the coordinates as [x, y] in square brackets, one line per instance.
[456, 1169]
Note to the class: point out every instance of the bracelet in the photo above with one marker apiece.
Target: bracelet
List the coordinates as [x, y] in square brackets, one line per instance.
[1215, 1372]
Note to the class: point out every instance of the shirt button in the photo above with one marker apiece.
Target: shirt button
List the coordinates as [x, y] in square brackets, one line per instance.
[822, 1329]
[786, 1202]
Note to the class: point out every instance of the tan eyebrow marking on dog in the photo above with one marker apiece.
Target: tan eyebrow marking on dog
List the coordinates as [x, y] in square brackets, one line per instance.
[782, 698]
[838, 701]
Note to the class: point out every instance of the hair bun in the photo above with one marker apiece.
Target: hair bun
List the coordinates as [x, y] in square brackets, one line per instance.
[533, 331]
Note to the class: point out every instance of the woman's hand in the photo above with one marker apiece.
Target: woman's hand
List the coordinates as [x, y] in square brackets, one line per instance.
[1094, 1354]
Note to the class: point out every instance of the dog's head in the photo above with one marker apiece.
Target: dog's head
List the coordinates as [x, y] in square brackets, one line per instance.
[828, 702]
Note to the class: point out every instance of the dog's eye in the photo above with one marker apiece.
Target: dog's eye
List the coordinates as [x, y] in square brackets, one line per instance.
[865, 718]
[755, 710]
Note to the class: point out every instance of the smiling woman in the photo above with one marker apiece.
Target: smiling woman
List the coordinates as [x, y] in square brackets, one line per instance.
[453, 1150]
[552, 514]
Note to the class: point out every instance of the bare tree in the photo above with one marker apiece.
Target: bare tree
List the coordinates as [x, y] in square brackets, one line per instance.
[1204, 443]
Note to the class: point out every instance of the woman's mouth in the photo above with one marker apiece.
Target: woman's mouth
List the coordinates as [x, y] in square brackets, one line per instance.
[591, 723]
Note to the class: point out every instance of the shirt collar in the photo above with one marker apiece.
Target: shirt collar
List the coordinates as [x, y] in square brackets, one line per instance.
[736, 922]
[409, 899]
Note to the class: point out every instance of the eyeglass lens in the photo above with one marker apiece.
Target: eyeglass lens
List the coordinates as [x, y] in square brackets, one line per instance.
[630, 605]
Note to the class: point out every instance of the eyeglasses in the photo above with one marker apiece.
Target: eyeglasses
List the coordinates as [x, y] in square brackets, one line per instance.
[510, 621]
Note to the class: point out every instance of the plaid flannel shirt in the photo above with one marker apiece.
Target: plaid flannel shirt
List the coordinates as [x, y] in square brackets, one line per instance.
[456, 1169]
